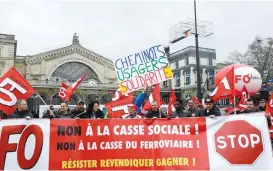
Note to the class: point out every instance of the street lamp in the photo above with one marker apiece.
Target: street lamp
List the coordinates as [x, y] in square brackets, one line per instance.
[181, 30]
[199, 96]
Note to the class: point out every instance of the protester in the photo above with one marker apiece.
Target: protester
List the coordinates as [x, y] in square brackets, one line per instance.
[252, 109]
[78, 109]
[192, 109]
[132, 113]
[262, 105]
[139, 100]
[211, 110]
[154, 112]
[164, 112]
[93, 111]
[64, 111]
[21, 111]
[49, 113]
[179, 110]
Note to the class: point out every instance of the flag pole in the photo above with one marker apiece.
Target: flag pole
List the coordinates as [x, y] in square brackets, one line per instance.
[234, 94]
[42, 99]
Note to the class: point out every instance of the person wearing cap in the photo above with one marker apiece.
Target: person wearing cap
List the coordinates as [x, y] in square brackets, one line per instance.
[211, 110]
[78, 109]
[179, 110]
[49, 113]
[132, 110]
[262, 105]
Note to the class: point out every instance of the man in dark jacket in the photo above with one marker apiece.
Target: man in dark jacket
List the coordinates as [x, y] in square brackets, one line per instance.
[262, 105]
[211, 110]
[179, 110]
[193, 111]
[21, 111]
[155, 112]
[62, 113]
[252, 109]
[49, 113]
[79, 109]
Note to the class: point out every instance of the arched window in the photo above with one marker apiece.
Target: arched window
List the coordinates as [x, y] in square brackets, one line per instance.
[73, 71]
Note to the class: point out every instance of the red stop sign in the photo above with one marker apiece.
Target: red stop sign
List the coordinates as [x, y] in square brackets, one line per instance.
[239, 142]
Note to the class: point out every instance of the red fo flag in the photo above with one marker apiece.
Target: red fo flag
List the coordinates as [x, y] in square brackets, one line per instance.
[226, 88]
[69, 91]
[154, 96]
[62, 91]
[172, 100]
[13, 87]
[243, 100]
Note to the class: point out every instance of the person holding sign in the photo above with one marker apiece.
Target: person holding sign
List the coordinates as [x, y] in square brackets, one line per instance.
[139, 100]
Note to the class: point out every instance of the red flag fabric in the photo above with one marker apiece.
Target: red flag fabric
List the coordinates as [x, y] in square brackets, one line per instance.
[12, 88]
[244, 97]
[172, 100]
[119, 95]
[269, 106]
[195, 100]
[226, 88]
[69, 91]
[154, 96]
[62, 91]
[118, 108]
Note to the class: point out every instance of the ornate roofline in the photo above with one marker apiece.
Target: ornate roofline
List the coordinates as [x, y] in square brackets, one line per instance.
[36, 59]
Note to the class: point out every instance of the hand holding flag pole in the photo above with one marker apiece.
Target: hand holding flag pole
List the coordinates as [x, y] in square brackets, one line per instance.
[233, 89]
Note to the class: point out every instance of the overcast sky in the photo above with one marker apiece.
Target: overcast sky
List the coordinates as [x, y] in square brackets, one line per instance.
[116, 29]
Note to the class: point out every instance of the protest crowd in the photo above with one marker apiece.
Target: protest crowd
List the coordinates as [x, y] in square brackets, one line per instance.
[147, 105]
[191, 109]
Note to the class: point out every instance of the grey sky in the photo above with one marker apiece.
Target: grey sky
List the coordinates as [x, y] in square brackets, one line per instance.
[116, 29]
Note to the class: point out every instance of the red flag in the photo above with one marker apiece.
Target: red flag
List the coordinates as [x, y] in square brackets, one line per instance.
[118, 108]
[119, 96]
[269, 106]
[172, 100]
[243, 100]
[195, 100]
[13, 87]
[154, 96]
[62, 91]
[226, 88]
[69, 91]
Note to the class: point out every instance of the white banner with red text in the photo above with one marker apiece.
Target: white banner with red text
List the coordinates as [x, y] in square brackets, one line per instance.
[238, 142]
